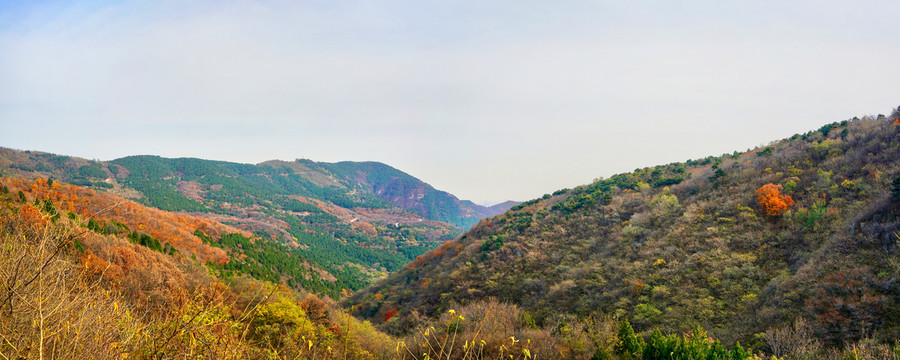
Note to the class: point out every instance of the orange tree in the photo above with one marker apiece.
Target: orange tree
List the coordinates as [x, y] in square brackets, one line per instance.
[771, 201]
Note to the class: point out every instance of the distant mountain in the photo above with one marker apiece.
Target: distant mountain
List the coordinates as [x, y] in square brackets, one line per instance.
[500, 208]
[399, 189]
[366, 214]
[805, 228]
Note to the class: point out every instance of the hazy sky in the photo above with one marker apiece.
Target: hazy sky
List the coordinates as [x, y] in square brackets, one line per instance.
[489, 100]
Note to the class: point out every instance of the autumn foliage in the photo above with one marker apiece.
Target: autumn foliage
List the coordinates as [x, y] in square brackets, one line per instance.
[771, 201]
[389, 314]
[173, 228]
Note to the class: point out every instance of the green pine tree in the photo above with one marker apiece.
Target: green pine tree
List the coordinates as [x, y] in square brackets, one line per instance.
[630, 345]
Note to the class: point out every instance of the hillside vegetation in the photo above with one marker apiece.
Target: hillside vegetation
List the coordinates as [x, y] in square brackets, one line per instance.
[77, 286]
[78, 282]
[354, 222]
[795, 241]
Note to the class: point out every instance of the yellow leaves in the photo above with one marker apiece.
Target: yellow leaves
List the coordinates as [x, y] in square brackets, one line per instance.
[749, 299]
[659, 262]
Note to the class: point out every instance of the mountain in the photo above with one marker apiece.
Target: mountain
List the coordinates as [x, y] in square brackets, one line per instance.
[88, 274]
[353, 221]
[399, 189]
[805, 229]
[223, 248]
[500, 208]
[788, 248]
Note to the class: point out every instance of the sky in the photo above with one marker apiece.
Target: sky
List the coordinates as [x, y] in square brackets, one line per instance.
[488, 100]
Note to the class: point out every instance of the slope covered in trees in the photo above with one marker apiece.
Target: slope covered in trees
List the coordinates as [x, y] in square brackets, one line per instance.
[230, 251]
[77, 283]
[745, 245]
[76, 290]
[354, 221]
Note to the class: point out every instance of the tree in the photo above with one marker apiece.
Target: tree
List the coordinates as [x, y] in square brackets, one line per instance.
[896, 187]
[629, 346]
[771, 201]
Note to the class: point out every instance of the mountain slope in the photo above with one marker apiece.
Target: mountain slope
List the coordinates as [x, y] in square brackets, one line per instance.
[402, 190]
[347, 218]
[227, 249]
[692, 243]
[79, 283]
[82, 279]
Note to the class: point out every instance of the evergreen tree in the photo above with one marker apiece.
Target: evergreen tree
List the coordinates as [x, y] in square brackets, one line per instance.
[601, 354]
[630, 345]
[896, 187]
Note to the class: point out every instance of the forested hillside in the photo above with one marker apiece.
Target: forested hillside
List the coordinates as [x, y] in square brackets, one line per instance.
[799, 238]
[354, 221]
[87, 275]
[225, 249]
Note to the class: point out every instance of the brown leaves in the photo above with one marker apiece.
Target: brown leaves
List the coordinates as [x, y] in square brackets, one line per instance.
[96, 266]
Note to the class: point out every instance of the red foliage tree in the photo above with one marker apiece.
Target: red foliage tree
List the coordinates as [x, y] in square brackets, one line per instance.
[389, 314]
[771, 201]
